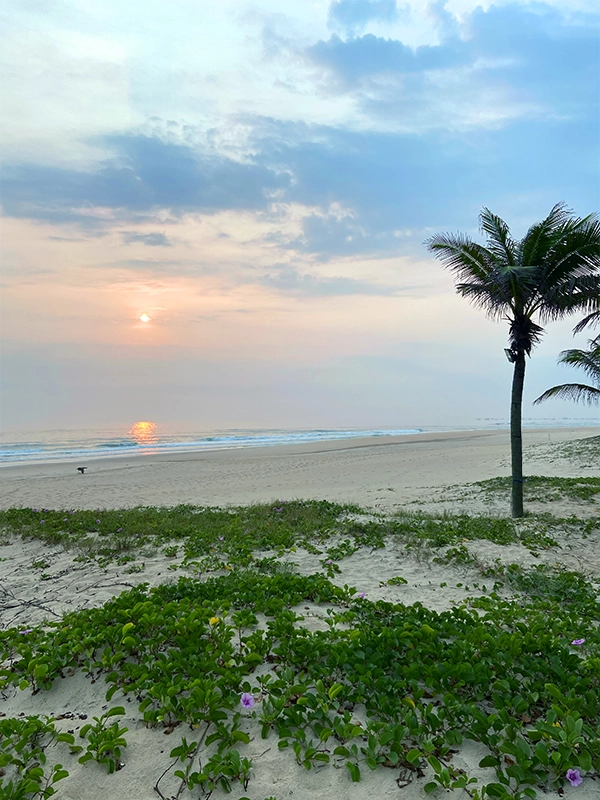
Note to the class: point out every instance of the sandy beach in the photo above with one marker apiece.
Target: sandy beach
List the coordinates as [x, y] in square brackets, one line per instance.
[39, 582]
[382, 473]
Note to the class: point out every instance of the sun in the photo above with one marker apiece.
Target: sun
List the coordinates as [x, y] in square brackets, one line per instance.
[144, 317]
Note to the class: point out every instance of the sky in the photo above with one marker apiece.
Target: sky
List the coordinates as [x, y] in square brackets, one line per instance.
[258, 179]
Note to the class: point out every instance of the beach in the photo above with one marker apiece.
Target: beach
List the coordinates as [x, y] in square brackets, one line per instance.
[379, 472]
[40, 580]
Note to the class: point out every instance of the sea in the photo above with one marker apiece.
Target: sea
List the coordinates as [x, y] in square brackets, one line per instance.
[146, 437]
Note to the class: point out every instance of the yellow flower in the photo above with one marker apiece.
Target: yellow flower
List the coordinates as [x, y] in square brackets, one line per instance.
[213, 620]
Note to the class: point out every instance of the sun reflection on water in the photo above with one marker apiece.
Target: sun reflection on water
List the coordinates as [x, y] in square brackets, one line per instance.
[144, 432]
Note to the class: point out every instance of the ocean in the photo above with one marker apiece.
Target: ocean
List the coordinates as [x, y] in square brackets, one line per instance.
[146, 437]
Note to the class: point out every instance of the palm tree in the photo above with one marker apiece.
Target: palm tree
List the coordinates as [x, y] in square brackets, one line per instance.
[551, 272]
[589, 361]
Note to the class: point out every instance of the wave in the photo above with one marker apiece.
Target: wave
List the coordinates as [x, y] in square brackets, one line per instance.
[61, 448]
[61, 445]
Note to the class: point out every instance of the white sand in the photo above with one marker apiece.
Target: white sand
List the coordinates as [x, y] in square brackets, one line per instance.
[383, 474]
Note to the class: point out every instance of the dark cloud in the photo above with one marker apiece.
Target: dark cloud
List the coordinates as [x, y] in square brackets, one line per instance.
[384, 181]
[533, 54]
[149, 239]
[353, 15]
[144, 174]
[367, 189]
[327, 234]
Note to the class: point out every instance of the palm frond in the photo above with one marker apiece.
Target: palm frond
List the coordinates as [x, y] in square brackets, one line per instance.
[462, 255]
[543, 234]
[499, 240]
[490, 298]
[560, 298]
[591, 319]
[576, 251]
[553, 271]
[587, 360]
[571, 391]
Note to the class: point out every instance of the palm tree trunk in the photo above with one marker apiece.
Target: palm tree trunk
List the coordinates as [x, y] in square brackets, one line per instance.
[516, 437]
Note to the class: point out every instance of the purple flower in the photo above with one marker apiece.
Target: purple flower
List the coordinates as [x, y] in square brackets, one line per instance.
[329, 561]
[247, 700]
[574, 777]
[578, 642]
[26, 631]
[221, 538]
[42, 522]
[362, 595]
[97, 522]
[119, 530]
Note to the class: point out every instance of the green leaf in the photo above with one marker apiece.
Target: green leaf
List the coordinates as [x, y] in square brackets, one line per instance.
[495, 790]
[541, 753]
[489, 761]
[435, 764]
[40, 671]
[113, 689]
[430, 787]
[585, 760]
[334, 690]
[117, 711]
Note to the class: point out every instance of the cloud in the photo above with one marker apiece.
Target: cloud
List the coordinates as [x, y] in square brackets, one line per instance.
[502, 113]
[145, 174]
[366, 184]
[371, 177]
[161, 267]
[149, 239]
[352, 61]
[353, 15]
[504, 63]
[354, 192]
[289, 280]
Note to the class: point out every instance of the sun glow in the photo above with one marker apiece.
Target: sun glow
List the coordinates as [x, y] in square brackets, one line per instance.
[144, 317]
[143, 432]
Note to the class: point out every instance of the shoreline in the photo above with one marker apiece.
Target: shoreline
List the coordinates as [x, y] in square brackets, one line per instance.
[372, 472]
[208, 445]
